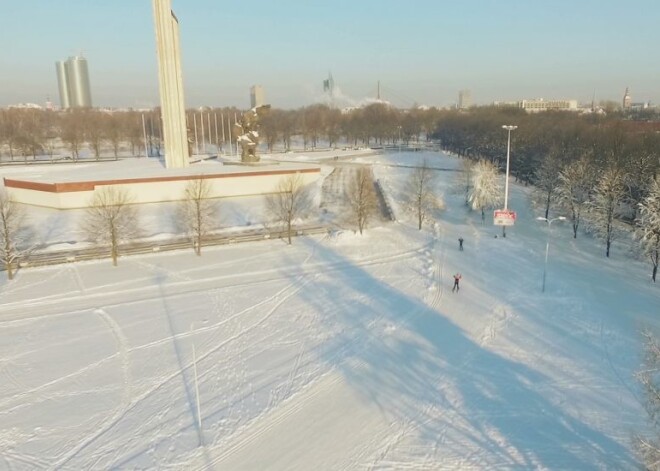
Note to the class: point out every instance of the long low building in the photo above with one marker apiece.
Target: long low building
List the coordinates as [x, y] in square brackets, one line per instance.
[70, 186]
[540, 104]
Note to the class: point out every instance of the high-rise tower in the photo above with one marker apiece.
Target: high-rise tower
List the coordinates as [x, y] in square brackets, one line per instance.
[464, 99]
[257, 96]
[73, 83]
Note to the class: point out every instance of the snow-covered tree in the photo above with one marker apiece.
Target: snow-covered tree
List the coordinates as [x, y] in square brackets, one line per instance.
[111, 219]
[420, 191]
[362, 197]
[649, 377]
[11, 228]
[606, 201]
[463, 180]
[486, 189]
[290, 202]
[642, 168]
[197, 213]
[547, 180]
[649, 226]
[575, 186]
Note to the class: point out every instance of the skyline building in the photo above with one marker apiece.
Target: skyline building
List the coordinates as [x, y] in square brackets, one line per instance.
[73, 83]
[257, 96]
[627, 99]
[464, 99]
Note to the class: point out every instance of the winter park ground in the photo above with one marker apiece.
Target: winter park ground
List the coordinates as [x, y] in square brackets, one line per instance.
[337, 352]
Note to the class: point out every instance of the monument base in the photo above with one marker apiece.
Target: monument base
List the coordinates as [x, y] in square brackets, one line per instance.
[70, 186]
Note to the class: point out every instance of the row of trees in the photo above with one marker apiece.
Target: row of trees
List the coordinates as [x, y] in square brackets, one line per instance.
[592, 166]
[27, 133]
[606, 170]
[112, 218]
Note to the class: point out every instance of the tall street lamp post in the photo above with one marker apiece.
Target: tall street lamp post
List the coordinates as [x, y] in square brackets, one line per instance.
[509, 128]
[547, 244]
[199, 409]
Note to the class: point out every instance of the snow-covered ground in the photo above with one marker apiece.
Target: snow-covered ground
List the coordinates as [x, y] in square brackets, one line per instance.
[338, 352]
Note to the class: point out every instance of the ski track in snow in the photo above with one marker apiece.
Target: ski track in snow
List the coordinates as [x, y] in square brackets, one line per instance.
[498, 320]
[186, 287]
[76, 278]
[103, 427]
[280, 297]
[273, 416]
[434, 262]
[22, 397]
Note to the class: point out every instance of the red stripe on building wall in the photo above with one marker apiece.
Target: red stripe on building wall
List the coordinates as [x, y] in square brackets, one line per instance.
[70, 187]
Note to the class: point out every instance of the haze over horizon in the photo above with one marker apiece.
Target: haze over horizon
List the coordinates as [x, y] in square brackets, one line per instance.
[422, 52]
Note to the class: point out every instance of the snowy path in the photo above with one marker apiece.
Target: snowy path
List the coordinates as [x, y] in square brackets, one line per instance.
[335, 424]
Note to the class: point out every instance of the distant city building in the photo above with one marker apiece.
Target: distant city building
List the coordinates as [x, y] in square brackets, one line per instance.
[73, 83]
[257, 96]
[544, 105]
[329, 85]
[26, 106]
[329, 89]
[627, 100]
[640, 106]
[539, 104]
[464, 99]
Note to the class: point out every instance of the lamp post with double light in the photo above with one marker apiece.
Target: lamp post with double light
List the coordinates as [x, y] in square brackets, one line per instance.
[547, 244]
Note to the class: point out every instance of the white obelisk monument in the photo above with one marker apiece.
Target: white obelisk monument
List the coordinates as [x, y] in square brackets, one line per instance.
[171, 85]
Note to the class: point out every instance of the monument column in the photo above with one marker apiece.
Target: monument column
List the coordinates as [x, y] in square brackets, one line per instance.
[170, 85]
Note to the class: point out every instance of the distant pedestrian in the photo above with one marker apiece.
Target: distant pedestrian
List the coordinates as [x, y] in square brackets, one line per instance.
[457, 278]
[460, 244]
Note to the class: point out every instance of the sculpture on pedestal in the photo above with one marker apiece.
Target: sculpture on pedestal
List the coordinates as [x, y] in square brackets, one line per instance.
[248, 133]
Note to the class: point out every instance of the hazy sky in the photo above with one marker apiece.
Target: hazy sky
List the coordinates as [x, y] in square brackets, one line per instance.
[422, 51]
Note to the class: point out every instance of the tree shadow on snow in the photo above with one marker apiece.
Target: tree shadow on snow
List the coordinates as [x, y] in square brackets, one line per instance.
[422, 370]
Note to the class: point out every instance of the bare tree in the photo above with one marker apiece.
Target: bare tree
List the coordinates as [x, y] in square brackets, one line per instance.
[547, 180]
[31, 132]
[421, 192]
[11, 228]
[111, 219]
[290, 202]
[606, 200]
[467, 169]
[72, 131]
[11, 129]
[648, 376]
[95, 124]
[362, 196]
[486, 189]
[575, 186]
[649, 226]
[197, 213]
[114, 131]
[134, 132]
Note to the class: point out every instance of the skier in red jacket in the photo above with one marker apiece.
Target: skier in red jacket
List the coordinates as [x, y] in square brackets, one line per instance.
[457, 278]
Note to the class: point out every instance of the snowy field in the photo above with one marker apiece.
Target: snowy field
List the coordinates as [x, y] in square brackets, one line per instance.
[341, 352]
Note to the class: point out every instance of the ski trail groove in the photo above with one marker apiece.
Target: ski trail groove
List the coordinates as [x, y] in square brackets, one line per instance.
[122, 344]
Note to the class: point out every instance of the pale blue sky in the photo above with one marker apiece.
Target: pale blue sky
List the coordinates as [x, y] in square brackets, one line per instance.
[422, 51]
